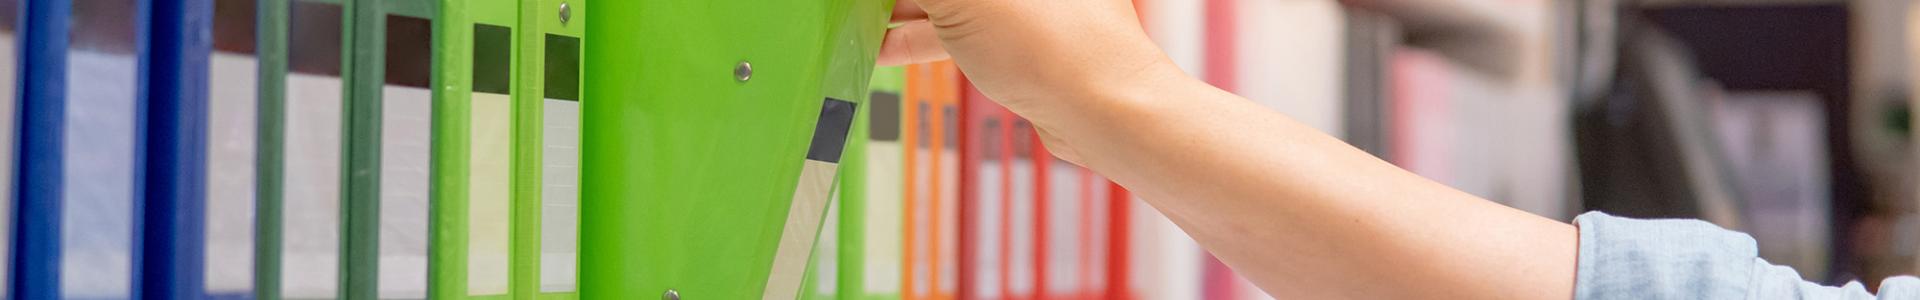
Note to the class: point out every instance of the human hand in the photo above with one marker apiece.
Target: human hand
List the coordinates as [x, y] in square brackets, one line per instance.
[1042, 59]
[1018, 51]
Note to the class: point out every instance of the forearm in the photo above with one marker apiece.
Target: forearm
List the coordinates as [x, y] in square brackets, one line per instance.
[1299, 212]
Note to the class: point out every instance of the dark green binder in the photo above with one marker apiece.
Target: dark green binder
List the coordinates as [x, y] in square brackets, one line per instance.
[298, 234]
[231, 165]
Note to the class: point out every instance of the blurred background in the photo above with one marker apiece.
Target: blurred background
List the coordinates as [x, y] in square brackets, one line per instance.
[1787, 119]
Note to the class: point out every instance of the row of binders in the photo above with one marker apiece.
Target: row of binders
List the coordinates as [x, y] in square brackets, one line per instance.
[537, 149]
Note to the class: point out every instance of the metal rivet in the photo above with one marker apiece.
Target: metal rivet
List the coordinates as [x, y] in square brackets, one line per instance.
[743, 71]
[566, 13]
[670, 295]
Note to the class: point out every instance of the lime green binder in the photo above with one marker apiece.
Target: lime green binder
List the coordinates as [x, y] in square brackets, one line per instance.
[471, 141]
[711, 138]
[859, 220]
[506, 133]
[546, 148]
[870, 220]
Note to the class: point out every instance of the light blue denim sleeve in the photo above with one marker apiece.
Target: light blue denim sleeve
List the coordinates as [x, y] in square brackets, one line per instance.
[1624, 258]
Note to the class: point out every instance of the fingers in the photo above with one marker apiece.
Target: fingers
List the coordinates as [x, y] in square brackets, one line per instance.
[907, 11]
[911, 43]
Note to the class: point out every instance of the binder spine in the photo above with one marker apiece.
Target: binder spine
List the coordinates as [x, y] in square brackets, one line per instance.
[174, 74]
[866, 173]
[41, 158]
[560, 28]
[451, 138]
[364, 72]
[269, 177]
[524, 278]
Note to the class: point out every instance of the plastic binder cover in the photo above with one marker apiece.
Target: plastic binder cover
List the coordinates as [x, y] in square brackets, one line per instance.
[715, 185]
[310, 229]
[97, 218]
[870, 222]
[230, 151]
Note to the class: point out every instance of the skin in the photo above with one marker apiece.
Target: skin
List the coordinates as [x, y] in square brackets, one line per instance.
[1300, 213]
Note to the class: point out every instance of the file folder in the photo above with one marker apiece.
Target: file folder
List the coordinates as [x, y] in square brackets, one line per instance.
[932, 190]
[230, 151]
[915, 265]
[1036, 225]
[505, 150]
[471, 148]
[547, 149]
[301, 140]
[271, 23]
[712, 139]
[946, 222]
[1119, 269]
[9, 88]
[76, 180]
[1022, 227]
[870, 220]
[985, 192]
[362, 148]
[1074, 258]
[172, 156]
[404, 156]
[1006, 251]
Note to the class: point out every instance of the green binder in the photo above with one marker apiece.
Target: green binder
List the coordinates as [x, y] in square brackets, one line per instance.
[711, 141]
[298, 231]
[230, 164]
[404, 115]
[506, 133]
[473, 75]
[546, 149]
[870, 220]
[322, 218]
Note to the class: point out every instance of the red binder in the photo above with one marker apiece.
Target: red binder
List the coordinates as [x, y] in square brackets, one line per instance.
[1034, 226]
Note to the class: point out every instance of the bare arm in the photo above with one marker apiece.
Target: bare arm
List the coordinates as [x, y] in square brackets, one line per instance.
[1296, 211]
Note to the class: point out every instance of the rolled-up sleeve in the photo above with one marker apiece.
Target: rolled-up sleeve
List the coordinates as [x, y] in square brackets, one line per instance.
[1624, 258]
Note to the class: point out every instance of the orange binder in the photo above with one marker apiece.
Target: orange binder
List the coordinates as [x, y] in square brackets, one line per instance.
[932, 176]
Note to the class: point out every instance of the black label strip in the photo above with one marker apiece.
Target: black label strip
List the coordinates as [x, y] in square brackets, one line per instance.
[830, 134]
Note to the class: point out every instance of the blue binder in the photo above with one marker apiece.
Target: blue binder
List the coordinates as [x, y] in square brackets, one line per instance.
[41, 112]
[79, 193]
[179, 42]
[9, 82]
